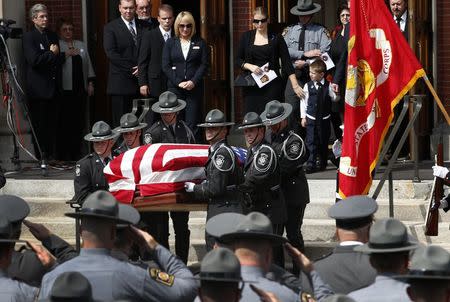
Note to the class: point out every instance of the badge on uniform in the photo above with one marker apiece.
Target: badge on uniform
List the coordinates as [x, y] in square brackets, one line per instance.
[161, 277]
[77, 170]
[294, 148]
[147, 138]
[220, 159]
[263, 159]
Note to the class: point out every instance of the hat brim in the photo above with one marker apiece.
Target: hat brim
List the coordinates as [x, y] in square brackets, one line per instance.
[76, 215]
[214, 125]
[368, 250]
[273, 238]
[181, 105]
[296, 11]
[241, 127]
[125, 130]
[278, 119]
[90, 138]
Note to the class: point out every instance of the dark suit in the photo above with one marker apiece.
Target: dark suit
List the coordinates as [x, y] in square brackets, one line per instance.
[193, 68]
[344, 270]
[43, 84]
[122, 53]
[150, 67]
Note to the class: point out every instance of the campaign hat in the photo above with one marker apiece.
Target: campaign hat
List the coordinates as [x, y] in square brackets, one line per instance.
[6, 230]
[256, 226]
[129, 122]
[222, 224]
[251, 120]
[305, 8]
[101, 131]
[275, 112]
[388, 235]
[215, 118]
[168, 102]
[428, 262]
[70, 286]
[102, 205]
[220, 265]
[14, 208]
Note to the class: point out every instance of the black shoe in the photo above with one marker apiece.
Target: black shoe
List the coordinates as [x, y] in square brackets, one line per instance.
[310, 169]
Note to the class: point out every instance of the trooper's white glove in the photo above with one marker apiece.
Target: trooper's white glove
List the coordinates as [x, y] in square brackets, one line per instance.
[337, 148]
[440, 171]
[189, 186]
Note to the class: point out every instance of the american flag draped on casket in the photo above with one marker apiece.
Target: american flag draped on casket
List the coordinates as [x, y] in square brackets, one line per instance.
[155, 169]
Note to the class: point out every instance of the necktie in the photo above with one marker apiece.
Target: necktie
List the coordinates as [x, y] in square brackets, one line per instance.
[166, 36]
[133, 33]
[301, 38]
[319, 99]
[106, 160]
[398, 20]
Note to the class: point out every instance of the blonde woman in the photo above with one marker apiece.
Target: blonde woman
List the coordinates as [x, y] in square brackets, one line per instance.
[256, 48]
[185, 62]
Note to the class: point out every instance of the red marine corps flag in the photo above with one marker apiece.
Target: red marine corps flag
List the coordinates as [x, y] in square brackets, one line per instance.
[381, 69]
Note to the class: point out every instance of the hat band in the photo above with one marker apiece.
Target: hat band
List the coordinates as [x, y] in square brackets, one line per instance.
[428, 273]
[220, 275]
[97, 211]
[388, 245]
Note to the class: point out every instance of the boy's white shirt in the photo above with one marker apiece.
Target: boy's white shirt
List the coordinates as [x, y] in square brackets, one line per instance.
[304, 100]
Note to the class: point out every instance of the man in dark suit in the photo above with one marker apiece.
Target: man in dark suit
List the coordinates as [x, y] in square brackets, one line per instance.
[43, 60]
[144, 11]
[121, 41]
[399, 10]
[152, 81]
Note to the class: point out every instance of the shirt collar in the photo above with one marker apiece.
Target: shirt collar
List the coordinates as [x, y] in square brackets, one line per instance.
[127, 23]
[164, 32]
[100, 251]
[350, 242]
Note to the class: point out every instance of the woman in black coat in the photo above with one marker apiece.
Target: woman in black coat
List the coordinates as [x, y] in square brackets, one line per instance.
[185, 62]
[256, 48]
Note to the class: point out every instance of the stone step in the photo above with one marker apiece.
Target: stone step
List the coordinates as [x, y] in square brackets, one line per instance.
[319, 189]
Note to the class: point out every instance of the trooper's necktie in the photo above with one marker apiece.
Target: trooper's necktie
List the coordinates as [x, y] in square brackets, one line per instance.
[133, 32]
[301, 38]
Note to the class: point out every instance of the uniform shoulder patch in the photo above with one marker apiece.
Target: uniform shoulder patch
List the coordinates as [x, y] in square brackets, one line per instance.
[161, 277]
[224, 159]
[147, 138]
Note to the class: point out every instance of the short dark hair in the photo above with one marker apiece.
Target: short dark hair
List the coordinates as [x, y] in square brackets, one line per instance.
[318, 65]
[388, 262]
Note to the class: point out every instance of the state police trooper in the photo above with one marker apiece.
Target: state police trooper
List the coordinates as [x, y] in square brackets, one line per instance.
[170, 129]
[112, 279]
[262, 177]
[305, 40]
[290, 149]
[223, 174]
[11, 290]
[89, 176]
[131, 130]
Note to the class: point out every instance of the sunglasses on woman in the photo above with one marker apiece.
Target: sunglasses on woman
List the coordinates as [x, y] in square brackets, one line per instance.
[185, 25]
[256, 21]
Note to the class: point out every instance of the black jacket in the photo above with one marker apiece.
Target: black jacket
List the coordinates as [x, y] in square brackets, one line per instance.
[122, 54]
[43, 66]
[177, 68]
[160, 133]
[89, 177]
[262, 183]
[150, 62]
[291, 159]
[279, 51]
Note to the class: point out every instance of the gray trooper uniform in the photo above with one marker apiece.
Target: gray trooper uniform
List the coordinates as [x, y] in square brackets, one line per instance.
[316, 37]
[15, 291]
[112, 279]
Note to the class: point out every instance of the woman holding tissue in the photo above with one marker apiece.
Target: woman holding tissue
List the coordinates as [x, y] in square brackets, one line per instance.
[256, 48]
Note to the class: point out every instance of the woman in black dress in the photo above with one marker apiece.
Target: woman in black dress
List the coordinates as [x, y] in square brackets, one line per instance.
[256, 48]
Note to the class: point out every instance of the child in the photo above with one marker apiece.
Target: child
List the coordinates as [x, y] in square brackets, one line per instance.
[315, 109]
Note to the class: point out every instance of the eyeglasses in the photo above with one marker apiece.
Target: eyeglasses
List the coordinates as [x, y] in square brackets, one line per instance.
[142, 8]
[256, 21]
[345, 15]
[185, 25]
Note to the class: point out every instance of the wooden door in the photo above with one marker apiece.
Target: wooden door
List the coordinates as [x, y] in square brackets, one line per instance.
[214, 28]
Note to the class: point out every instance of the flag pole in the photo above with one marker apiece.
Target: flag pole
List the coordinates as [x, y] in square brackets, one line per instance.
[437, 99]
